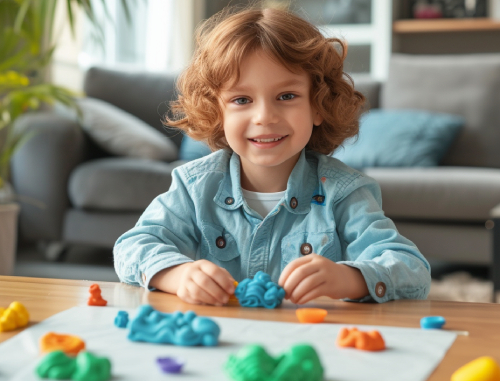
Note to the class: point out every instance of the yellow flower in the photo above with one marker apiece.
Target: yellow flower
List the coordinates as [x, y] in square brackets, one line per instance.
[13, 78]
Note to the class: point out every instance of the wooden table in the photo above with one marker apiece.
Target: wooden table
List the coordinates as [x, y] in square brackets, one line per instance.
[46, 297]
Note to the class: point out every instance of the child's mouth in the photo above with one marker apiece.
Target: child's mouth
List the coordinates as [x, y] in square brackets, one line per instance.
[267, 143]
[269, 140]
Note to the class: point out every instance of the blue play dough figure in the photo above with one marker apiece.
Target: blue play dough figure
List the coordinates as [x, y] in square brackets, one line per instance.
[259, 292]
[430, 322]
[121, 320]
[177, 328]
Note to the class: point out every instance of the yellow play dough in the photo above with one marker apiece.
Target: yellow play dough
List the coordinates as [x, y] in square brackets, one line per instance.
[480, 369]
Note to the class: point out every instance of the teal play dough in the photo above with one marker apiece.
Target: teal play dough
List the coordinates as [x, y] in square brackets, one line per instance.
[432, 322]
[253, 363]
[259, 292]
[177, 328]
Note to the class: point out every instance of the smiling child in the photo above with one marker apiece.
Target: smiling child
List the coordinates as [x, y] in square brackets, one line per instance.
[267, 92]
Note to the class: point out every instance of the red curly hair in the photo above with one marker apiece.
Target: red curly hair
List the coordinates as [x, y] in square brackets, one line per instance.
[225, 39]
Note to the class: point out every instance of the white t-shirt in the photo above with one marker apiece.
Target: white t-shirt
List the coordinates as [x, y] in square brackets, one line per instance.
[262, 203]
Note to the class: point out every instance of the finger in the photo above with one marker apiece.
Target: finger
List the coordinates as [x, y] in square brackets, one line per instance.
[313, 294]
[183, 294]
[220, 275]
[200, 295]
[291, 267]
[207, 284]
[306, 285]
[297, 276]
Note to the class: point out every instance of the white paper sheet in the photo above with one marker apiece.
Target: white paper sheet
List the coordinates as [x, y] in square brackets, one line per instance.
[411, 354]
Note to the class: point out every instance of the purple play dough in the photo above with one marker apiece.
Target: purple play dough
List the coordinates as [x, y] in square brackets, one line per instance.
[170, 364]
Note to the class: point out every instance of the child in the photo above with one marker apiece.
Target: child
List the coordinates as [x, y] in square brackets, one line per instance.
[267, 92]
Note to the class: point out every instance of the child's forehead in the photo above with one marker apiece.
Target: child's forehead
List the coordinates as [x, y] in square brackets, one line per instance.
[259, 62]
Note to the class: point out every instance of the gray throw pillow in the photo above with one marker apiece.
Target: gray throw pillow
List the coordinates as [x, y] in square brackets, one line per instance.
[123, 134]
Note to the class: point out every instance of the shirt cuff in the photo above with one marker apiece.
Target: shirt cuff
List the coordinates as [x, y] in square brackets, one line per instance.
[379, 283]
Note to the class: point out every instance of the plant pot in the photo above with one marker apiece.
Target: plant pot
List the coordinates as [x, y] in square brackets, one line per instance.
[8, 237]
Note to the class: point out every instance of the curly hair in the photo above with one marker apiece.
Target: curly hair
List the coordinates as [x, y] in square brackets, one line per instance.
[225, 39]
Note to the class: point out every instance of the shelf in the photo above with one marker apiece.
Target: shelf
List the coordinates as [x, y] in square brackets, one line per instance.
[445, 25]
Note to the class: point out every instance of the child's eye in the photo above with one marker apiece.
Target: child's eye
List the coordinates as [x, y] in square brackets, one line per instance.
[286, 97]
[241, 101]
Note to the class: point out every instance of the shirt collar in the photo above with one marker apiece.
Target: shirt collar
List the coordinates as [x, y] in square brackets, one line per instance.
[299, 192]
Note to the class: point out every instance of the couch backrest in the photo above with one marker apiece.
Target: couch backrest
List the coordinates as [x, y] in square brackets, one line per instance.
[145, 95]
[466, 85]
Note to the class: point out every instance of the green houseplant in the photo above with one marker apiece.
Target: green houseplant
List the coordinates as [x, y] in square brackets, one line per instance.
[26, 49]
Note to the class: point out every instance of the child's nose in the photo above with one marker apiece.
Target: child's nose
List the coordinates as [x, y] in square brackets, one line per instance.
[265, 113]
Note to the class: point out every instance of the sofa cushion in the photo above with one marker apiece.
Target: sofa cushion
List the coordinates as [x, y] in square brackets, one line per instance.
[123, 134]
[118, 184]
[441, 193]
[143, 94]
[400, 138]
[466, 85]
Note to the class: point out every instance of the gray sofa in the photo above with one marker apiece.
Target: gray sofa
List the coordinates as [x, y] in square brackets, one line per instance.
[91, 198]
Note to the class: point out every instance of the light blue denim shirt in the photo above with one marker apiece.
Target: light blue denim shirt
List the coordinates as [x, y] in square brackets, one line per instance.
[328, 208]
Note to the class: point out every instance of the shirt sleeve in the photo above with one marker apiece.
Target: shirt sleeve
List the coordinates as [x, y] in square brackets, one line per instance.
[166, 235]
[391, 264]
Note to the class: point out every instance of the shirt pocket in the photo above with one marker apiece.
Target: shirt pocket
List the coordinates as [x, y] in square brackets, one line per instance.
[218, 246]
[294, 245]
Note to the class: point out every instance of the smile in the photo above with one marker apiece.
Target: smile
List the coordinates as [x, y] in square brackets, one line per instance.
[268, 140]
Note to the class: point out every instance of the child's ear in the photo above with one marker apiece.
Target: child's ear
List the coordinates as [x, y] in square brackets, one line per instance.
[317, 119]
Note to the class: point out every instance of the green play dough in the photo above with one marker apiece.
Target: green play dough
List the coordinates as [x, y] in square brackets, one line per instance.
[56, 366]
[253, 363]
[92, 368]
[85, 367]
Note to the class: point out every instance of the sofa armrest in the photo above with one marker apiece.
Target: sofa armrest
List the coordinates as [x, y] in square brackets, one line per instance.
[40, 170]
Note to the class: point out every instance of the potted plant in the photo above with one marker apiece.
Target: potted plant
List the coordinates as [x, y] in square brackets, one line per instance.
[26, 48]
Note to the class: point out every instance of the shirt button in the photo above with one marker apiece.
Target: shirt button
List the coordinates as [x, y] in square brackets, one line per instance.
[293, 203]
[229, 201]
[220, 242]
[306, 248]
[319, 198]
[380, 289]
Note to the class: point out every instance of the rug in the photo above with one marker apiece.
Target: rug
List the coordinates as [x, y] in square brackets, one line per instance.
[462, 287]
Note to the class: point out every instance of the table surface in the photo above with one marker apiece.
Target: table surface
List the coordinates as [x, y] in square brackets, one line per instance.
[46, 297]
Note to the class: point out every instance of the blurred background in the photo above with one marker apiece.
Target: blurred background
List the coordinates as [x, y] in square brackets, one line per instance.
[73, 192]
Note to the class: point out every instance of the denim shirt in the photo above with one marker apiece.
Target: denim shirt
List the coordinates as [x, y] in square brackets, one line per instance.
[328, 208]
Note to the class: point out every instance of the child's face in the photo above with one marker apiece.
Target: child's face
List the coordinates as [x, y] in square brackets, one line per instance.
[268, 103]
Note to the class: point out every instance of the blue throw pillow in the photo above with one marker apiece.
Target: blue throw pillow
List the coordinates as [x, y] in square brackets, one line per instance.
[192, 149]
[400, 138]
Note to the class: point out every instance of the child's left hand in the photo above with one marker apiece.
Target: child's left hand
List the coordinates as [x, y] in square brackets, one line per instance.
[313, 276]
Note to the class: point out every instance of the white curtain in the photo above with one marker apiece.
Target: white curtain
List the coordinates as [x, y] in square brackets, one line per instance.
[158, 37]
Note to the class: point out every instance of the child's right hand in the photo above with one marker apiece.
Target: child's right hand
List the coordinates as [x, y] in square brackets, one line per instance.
[203, 282]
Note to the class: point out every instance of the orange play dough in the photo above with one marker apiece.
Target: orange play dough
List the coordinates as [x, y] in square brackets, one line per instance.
[233, 297]
[367, 341]
[69, 344]
[95, 298]
[311, 315]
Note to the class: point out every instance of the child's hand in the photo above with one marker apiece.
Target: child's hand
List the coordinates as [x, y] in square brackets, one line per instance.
[313, 276]
[203, 282]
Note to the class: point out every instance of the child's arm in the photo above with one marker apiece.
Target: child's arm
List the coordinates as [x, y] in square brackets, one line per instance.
[390, 265]
[313, 276]
[200, 282]
[162, 247]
